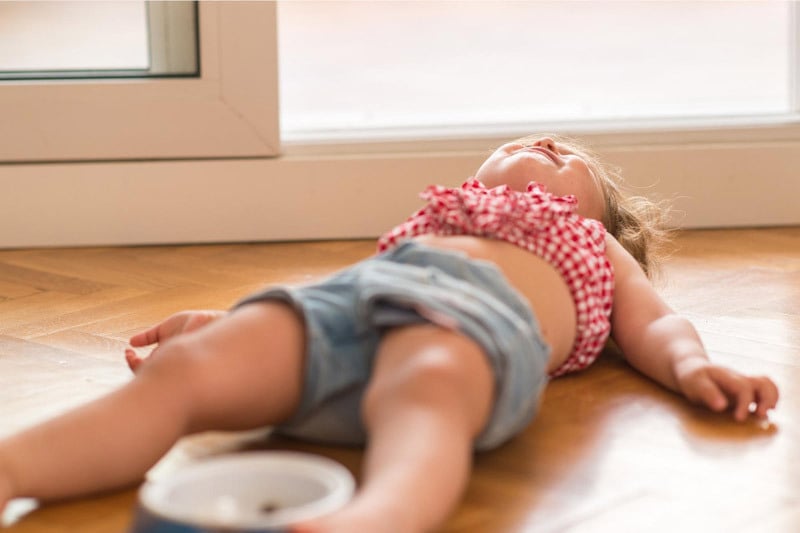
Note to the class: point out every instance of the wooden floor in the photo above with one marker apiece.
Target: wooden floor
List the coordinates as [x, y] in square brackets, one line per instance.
[609, 452]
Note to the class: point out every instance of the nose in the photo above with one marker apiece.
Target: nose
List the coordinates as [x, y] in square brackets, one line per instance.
[547, 143]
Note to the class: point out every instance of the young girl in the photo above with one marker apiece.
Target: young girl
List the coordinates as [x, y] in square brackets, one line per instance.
[438, 346]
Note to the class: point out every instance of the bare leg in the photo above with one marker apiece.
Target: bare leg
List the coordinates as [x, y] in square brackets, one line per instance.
[240, 372]
[430, 395]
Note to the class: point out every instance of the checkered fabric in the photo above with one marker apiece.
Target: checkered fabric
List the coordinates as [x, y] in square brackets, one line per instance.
[541, 223]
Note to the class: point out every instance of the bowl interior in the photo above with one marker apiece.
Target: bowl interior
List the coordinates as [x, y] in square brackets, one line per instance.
[251, 490]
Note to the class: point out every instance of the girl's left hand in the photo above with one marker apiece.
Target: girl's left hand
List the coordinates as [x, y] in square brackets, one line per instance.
[721, 388]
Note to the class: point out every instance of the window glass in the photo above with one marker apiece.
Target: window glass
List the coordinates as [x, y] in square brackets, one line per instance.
[412, 64]
[75, 39]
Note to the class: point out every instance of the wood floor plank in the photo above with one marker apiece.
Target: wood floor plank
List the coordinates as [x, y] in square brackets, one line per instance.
[11, 291]
[74, 313]
[48, 281]
[102, 346]
[609, 450]
[40, 381]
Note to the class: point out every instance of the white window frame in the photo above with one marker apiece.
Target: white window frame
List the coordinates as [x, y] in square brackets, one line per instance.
[230, 110]
[725, 172]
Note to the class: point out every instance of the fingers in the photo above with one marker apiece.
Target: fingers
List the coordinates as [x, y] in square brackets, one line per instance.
[133, 359]
[737, 388]
[182, 322]
[766, 395]
[161, 331]
[145, 338]
[706, 392]
[746, 391]
[721, 388]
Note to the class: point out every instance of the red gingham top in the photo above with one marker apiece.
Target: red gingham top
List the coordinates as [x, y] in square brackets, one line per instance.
[541, 223]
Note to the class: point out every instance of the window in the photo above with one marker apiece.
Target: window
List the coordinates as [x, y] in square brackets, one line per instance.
[229, 109]
[206, 158]
[428, 65]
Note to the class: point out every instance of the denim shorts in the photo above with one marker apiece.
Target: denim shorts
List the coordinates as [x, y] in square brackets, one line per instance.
[346, 315]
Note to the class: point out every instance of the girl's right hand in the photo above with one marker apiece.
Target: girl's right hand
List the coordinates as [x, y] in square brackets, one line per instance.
[177, 324]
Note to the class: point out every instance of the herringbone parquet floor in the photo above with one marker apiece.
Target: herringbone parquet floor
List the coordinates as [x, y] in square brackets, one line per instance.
[609, 451]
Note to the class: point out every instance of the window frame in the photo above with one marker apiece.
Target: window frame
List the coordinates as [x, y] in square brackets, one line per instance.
[173, 43]
[229, 110]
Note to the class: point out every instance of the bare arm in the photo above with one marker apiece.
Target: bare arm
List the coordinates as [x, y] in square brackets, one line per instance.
[666, 347]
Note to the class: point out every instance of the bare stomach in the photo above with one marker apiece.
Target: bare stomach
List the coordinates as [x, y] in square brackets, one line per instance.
[534, 278]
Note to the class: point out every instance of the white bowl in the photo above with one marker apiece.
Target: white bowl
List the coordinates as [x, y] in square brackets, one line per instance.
[253, 491]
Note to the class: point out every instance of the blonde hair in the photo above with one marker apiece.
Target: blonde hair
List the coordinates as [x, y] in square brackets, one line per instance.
[638, 223]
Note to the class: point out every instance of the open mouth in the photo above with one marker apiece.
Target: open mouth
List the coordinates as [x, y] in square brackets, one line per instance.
[547, 153]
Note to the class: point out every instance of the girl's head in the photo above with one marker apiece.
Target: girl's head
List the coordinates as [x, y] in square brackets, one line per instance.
[566, 166]
[553, 164]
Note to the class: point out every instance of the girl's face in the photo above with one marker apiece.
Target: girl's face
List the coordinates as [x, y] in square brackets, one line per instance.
[551, 164]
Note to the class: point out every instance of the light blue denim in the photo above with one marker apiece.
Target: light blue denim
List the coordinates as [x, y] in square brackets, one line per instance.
[346, 314]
